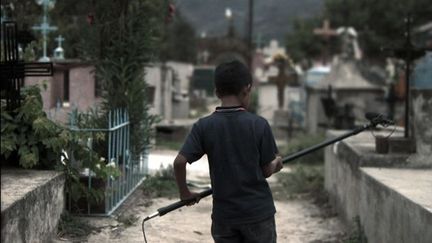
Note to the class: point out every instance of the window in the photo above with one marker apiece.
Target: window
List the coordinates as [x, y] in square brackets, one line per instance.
[65, 86]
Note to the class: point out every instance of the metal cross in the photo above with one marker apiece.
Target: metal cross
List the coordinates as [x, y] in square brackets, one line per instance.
[45, 28]
[409, 53]
[282, 78]
[325, 32]
[59, 40]
[13, 70]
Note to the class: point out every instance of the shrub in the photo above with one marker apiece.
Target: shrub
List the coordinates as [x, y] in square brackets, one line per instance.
[32, 141]
[302, 142]
[303, 179]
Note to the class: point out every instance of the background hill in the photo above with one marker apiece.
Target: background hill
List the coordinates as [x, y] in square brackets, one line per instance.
[272, 18]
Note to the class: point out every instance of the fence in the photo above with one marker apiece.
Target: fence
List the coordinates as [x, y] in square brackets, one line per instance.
[132, 173]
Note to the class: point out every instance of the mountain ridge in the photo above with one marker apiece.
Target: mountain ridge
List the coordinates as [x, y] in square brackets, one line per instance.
[272, 18]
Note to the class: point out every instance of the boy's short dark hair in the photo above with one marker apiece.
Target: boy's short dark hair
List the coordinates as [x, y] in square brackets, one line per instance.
[231, 77]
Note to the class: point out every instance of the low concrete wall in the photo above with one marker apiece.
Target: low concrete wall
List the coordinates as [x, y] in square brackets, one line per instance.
[31, 204]
[393, 203]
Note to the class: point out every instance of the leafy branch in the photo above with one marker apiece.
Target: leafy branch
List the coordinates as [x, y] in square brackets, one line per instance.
[32, 141]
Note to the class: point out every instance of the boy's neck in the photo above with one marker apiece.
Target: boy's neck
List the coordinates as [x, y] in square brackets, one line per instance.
[230, 100]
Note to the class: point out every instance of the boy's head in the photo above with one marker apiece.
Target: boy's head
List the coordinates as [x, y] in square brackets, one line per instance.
[232, 78]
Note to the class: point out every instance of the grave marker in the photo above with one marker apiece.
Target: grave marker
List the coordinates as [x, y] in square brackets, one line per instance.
[13, 70]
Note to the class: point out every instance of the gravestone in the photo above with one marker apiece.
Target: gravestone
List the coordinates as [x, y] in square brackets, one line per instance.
[13, 70]
[352, 96]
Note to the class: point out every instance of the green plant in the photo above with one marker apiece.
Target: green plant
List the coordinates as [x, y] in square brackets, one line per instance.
[162, 184]
[30, 140]
[121, 43]
[304, 141]
[303, 179]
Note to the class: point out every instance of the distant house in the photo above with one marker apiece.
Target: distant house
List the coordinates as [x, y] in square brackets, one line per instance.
[340, 97]
[72, 86]
[168, 89]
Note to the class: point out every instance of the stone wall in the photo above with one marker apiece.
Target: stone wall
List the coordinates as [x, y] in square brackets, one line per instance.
[31, 204]
[392, 200]
[421, 122]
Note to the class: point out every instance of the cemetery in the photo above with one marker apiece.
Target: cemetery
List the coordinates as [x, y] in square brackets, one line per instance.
[99, 98]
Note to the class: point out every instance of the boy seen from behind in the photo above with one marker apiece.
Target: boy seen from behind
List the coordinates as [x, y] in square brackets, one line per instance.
[242, 153]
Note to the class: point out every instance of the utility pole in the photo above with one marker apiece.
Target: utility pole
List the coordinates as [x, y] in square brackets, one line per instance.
[250, 33]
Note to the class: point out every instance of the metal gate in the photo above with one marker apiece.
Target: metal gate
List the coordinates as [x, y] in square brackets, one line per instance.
[132, 173]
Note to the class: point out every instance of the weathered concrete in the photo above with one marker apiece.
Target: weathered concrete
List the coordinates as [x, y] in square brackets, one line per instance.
[31, 204]
[349, 86]
[393, 204]
[422, 129]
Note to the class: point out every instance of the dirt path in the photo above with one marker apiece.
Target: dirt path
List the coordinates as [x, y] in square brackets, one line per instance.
[297, 220]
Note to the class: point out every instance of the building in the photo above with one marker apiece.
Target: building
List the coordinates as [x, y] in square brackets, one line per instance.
[73, 86]
[340, 97]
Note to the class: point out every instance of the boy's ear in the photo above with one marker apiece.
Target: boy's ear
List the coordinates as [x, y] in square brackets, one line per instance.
[244, 91]
[247, 89]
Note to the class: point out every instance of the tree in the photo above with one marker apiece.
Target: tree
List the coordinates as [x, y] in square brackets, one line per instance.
[121, 41]
[378, 23]
[180, 41]
[301, 43]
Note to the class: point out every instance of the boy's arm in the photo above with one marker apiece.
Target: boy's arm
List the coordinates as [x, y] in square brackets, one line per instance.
[180, 175]
[272, 167]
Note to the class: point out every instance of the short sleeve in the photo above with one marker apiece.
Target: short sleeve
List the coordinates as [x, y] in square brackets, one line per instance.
[268, 148]
[192, 148]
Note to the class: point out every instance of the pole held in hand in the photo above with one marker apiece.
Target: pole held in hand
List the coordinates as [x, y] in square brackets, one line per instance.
[374, 118]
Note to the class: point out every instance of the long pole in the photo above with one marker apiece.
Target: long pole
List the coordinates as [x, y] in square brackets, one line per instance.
[179, 204]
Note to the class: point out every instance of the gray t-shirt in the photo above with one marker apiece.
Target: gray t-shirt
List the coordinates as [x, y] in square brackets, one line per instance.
[238, 144]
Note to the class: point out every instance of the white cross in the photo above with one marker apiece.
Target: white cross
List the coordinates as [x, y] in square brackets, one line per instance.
[45, 28]
[59, 40]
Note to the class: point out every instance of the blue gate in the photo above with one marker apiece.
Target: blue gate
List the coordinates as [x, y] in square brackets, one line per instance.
[132, 173]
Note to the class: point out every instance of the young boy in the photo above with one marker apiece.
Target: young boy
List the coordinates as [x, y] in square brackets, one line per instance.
[241, 152]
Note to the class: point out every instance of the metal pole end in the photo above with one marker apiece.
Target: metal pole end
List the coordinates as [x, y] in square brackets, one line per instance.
[151, 216]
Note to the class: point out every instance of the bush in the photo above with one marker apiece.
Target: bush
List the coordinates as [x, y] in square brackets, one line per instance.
[31, 141]
[303, 179]
[302, 142]
[28, 138]
[162, 184]
[121, 44]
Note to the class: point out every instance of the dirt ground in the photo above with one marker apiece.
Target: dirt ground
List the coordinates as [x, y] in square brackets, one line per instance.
[297, 220]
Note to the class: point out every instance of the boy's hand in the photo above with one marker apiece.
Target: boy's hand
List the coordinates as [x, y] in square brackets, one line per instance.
[273, 167]
[192, 196]
[180, 174]
[277, 164]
